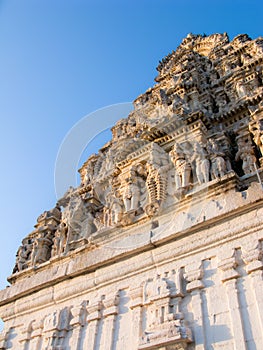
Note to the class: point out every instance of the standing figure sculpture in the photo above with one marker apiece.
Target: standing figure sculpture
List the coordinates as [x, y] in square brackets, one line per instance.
[202, 164]
[42, 247]
[132, 190]
[257, 133]
[113, 209]
[182, 167]
[218, 164]
[246, 154]
[60, 239]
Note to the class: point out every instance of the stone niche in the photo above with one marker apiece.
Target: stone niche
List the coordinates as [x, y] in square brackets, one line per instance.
[160, 246]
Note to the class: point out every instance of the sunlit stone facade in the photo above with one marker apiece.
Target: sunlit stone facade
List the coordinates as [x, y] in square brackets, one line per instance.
[160, 246]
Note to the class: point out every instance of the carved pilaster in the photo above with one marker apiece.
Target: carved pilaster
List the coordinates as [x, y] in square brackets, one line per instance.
[136, 303]
[228, 263]
[93, 319]
[50, 331]
[110, 312]
[252, 255]
[25, 336]
[76, 325]
[194, 274]
[36, 335]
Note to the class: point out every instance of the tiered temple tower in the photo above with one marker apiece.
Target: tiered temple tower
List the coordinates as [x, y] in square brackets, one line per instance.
[160, 246]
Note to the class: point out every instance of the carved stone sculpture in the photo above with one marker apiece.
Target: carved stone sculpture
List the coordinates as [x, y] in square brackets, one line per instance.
[60, 239]
[257, 132]
[156, 180]
[218, 164]
[42, 247]
[247, 156]
[202, 164]
[185, 131]
[182, 167]
[132, 190]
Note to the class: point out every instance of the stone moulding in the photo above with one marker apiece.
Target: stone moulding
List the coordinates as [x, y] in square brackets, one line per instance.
[167, 219]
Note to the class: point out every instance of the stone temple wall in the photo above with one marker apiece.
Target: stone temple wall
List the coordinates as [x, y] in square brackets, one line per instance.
[160, 246]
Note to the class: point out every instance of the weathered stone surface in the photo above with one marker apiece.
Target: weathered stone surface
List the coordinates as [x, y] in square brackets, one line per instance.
[160, 247]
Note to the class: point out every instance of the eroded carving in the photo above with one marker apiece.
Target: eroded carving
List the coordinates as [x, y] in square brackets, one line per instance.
[203, 118]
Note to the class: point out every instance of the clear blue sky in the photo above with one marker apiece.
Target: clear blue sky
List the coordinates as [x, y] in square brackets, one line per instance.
[63, 59]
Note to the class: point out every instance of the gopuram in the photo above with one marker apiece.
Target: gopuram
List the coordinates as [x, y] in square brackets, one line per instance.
[160, 246]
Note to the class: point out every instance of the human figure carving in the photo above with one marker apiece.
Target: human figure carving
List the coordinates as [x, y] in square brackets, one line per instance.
[182, 167]
[241, 89]
[23, 256]
[218, 164]
[113, 209]
[247, 155]
[116, 208]
[42, 247]
[132, 190]
[202, 164]
[60, 239]
[257, 132]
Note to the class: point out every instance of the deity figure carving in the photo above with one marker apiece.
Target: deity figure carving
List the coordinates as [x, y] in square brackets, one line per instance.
[221, 102]
[133, 189]
[88, 174]
[257, 132]
[42, 247]
[77, 216]
[202, 164]
[218, 164]
[241, 89]
[23, 255]
[182, 167]
[247, 155]
[60, 239]
[113, 209]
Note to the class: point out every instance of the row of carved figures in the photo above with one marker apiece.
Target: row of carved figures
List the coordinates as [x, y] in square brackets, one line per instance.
[142, 192]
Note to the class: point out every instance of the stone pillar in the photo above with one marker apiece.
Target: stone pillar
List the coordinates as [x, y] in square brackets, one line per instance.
[194, 275]
[227, 264]
[36, 335]
[50, 331]
[136, 307]
[25, 336]
[110, 312]
[252, 255]
[93, 319]
[76, 326]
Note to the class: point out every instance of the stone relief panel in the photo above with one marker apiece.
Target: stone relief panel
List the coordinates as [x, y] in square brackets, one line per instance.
[198, 126]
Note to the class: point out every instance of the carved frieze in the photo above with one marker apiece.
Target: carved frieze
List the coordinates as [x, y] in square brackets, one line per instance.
[200, 123]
